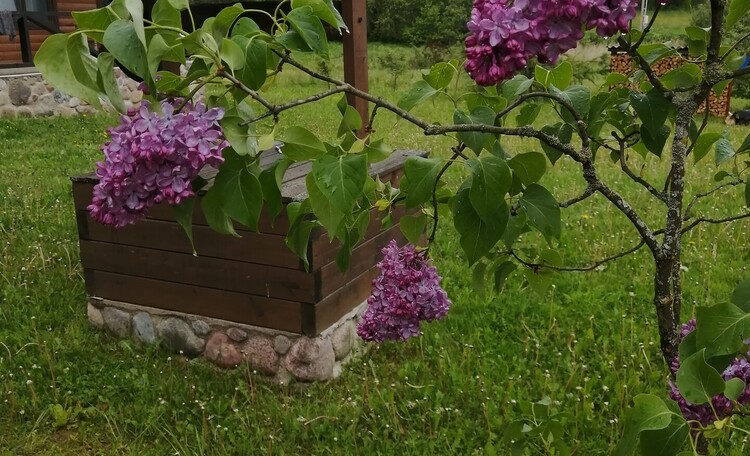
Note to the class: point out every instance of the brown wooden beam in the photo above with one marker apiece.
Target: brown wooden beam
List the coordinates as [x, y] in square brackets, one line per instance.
[354, 13]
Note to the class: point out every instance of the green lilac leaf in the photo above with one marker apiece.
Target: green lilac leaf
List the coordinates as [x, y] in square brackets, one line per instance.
[542, 209]
[310, 29]
[722, 328]
[697, 380]
[341, 179]
[420, 174]
[477, 236]
[327, 214]
[300, 144]
[419, 92]
[183, 213]
[490, 181]
[649, 413]
[529, 167]
[52, 61]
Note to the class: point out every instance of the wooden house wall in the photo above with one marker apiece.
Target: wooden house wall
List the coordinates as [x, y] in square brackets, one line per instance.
[10, 52]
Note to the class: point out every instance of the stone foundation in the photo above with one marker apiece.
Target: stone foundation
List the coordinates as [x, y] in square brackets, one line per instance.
[281, 356]
[27, 94]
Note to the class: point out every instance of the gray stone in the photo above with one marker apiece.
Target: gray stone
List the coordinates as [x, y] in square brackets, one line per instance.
[260, 354]
[73, 102]
[24, 111]
[19, 92]
[46, 105]
[281, 344]
[117, 321]
[4, 99]
[85, 109]
[311, 359]
[95, 316]
[221, 351]
[201, 328]
[39, 88]
[60, 97]
[3, 85]
[342, 340]
[143, 327]
[66, 111]
[178, 336]
[236, 334]
[7, 111]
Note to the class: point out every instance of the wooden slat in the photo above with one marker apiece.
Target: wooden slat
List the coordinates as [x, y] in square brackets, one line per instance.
[329, 311]
[363, 257]
[225, 305]
[222, 274]
[82, 191]
[251, 248]
[354, 13]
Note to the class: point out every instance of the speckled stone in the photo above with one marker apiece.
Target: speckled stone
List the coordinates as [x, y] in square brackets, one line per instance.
[221, 351]
[311, 359]
[259, 352]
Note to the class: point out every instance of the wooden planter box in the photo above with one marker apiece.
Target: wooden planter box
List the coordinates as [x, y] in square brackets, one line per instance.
[253, 280]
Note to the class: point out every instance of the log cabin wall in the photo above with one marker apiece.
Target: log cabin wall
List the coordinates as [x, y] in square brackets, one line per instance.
[10, 52]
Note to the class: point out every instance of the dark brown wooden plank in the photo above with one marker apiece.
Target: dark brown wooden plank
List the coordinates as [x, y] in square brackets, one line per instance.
[330, 310]
[323, 251]
[251, 248]
[83, 187]
[208, 302]
[364, 257]
[222, 274]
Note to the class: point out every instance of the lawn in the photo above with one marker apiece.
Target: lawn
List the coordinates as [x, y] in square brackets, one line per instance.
[588, 343]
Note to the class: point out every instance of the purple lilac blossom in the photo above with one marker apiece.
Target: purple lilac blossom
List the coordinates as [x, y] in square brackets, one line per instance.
[152, 157]
[505, 34]
[702, 413]
[406, 292]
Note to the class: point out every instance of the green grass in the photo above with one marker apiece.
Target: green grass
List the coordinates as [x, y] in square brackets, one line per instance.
[589, 342]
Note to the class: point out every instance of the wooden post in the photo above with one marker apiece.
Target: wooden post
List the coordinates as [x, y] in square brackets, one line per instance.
[354, 13]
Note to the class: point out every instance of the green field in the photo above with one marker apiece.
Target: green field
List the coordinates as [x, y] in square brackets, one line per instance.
[589, 342]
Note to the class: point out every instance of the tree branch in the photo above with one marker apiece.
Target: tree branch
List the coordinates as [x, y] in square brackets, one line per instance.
[252, 93]
[648, 27]
[636, 178]
[590, 190]
[714, 221]
[591, 267]
[643, 65]
[275, 110]
[698, 196]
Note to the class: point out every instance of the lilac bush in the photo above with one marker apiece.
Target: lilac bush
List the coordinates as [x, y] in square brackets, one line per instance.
[720, 404]
[505, 35]
[406, 292]
[153, 157]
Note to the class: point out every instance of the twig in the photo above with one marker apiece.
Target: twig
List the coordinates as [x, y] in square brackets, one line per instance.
[698, 196]
[457, 152]
[275, 110]
[648, 27]
[586, 194]
[252, 93]
[591, 267]
[714, 221]
[636, 178]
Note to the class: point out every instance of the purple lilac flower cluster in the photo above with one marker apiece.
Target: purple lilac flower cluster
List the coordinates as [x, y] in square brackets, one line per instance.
[702, 413]
[152, 157]
[505, 34]
[406, 292]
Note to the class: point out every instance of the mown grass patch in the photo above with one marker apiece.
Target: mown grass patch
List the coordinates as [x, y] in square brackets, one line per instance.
[589, 342]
